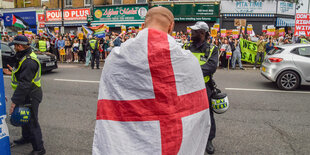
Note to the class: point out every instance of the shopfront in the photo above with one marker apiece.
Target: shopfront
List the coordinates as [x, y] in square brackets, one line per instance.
[28, 16]
[257, 13]
[188, 14]
[73, 18]
[123, 15]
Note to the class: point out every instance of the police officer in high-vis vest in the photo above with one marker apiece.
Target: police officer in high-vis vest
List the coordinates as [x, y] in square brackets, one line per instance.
[26, 83]
[94, 49]
[208, 59]
[42, 45]
[303, 40]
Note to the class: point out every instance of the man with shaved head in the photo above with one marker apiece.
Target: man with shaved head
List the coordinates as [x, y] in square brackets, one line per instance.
[152, 98]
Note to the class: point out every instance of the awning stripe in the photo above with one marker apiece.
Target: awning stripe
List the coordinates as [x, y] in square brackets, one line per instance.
[285, 22]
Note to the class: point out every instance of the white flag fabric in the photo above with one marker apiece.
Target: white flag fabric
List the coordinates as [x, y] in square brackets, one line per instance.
[152, 100]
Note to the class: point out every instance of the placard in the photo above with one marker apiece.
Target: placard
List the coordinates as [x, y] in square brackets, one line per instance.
[282, 32]
[123, 29]
[235, 34]
[223, 33]
[56, 29]
[217, 26]
[302, 24]
[250, 29]
[213, 32]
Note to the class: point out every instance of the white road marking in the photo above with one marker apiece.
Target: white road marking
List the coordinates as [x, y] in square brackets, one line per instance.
[6, 76]
[70, 80]
[268, 90]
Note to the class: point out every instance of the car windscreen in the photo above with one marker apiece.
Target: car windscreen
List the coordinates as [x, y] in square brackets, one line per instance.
[275, 50]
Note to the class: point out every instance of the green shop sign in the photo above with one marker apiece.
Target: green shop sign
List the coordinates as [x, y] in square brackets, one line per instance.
[197, 12]
[120, 13]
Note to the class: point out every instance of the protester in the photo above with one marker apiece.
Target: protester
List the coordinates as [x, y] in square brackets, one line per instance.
[68, 47]
[270, 45]
[76, 50]
[138, 95]
[236, 56]
[61, 48]
[225, 49]
[261, 49]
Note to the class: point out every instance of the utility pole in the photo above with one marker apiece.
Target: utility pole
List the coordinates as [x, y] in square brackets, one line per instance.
[62, 29]
[308, 6]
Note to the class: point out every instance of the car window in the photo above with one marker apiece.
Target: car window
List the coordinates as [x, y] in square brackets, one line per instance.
[5, 48]
[304, 51]
[276, 50]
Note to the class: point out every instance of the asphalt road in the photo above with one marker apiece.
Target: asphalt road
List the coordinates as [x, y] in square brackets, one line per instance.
[261, 119]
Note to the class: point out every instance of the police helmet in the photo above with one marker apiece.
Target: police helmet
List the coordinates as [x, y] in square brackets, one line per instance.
[220, 103]
[20, 116]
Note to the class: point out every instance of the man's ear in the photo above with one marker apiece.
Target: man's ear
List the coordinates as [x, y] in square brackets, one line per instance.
[171, 27]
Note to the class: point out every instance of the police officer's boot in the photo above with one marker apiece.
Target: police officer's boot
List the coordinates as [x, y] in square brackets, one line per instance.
[210, 148]
[21, 141]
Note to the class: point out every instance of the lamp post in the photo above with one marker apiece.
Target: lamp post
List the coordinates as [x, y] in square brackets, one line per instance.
[62, 29]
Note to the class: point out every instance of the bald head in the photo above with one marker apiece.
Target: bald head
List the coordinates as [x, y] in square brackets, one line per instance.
[160, 18]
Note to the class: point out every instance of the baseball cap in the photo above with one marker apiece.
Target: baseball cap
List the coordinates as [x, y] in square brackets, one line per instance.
[21, 39]
[200, 25]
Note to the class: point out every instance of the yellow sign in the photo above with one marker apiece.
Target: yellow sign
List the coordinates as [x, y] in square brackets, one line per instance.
[173, 34]
[213, 32]
[123, 28]
[81, 36]
[107, 29]
[56, 29]
[188, 29]
[98, 13]
[223, 32]
[20, 32]
[217, 26]
[250, 29]
[62, 51]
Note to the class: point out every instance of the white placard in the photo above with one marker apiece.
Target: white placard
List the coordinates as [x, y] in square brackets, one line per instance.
[245, 6]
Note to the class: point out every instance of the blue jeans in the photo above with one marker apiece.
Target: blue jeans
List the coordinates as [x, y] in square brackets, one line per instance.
[236, 56]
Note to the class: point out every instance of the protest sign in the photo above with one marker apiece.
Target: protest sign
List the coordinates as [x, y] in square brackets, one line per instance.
[302, 24]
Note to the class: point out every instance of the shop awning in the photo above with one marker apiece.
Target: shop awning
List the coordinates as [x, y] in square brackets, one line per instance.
[66, 23]
[285, 22]
[118, 23]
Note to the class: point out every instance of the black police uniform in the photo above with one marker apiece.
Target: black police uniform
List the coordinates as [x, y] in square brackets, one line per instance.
[208, 69]
[28, 93]
[94, 55]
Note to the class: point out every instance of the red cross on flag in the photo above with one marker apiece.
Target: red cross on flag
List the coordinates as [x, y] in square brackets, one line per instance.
[152, 100]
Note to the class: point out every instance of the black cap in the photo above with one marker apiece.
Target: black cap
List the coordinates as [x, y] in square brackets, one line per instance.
[21, 40]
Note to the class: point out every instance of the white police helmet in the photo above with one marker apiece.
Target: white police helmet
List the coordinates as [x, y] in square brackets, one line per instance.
[220, 103]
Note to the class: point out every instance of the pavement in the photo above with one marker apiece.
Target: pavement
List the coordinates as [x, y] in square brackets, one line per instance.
[261, 119]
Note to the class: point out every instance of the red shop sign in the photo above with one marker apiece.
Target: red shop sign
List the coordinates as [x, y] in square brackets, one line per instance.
[41, 25]
[41, 17]
[72, 14]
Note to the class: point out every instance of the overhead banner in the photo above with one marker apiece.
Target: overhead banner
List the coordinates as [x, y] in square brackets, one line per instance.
[248, 51]
[188, 12]
[120, 13]
[302, 24]
[71, 14]
[4, 132]
[244, 6]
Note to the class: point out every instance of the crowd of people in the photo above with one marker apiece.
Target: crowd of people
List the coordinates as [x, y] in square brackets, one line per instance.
[70, 48]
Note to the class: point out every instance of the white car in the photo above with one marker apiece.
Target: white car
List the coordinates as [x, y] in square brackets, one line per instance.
[288, 66]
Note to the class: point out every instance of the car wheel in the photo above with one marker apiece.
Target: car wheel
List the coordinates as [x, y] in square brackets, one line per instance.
[288, 80]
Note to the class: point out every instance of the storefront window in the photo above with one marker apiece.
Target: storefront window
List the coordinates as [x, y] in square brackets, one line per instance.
[141, 1]
[68, 3]
[87, 2]
[117, 2]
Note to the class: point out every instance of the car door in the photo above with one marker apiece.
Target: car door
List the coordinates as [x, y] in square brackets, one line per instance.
[301, 58]
[8, 56]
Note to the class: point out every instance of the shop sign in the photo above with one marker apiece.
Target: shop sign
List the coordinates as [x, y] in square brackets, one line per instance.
[199, 12]
[244, 6]
[41, 17]
[72, 14]
[286, 8]
[42, 25]
[120, 13]
[28, 17]
[302, 24]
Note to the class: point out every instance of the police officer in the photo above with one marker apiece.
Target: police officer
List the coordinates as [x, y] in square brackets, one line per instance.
[303, 40]
[42, 45]
[26, 83]
[94, 49]
[208, 59]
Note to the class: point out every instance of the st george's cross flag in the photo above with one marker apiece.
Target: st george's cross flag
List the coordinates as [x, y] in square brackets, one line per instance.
[152, 100]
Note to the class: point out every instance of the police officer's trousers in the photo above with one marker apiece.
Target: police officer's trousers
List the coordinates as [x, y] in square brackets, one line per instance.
[95, 56]
[32, 131]
[213, 127]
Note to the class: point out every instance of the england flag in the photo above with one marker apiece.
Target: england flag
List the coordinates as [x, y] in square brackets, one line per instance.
[152, 100]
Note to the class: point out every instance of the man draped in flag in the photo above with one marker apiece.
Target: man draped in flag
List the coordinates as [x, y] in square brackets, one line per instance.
[19, 22]
[152, 98]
